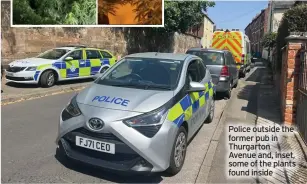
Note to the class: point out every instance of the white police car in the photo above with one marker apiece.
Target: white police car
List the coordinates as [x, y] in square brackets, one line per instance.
[139, 115]
[60, 64]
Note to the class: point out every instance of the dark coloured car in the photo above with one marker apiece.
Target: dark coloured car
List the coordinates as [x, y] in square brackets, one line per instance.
[222, 67]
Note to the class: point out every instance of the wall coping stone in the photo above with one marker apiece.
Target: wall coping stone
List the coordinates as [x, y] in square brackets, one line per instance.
[298, 34]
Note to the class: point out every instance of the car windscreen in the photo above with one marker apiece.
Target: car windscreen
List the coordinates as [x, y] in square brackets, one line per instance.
[209, 57]
[53, 54]
[144, 73]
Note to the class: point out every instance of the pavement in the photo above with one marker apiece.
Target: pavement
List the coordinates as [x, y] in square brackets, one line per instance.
[28, 150]
[255, 102]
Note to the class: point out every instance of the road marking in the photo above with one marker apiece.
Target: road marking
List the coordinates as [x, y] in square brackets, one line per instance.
[43, 95]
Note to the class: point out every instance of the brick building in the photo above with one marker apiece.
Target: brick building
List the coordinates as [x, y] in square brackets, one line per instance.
[256, 29]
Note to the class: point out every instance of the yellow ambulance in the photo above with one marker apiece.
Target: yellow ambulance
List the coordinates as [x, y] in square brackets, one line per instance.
[238, 44]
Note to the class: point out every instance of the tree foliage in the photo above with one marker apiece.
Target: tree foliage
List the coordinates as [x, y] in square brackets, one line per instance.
[147, 11]
[294, 20]
[181, 15]
[269, 40]
[73, 12]
[178, 15]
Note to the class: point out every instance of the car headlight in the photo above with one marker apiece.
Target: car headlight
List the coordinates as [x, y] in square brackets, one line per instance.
[155, 117]
[31, 68]
[71, 110]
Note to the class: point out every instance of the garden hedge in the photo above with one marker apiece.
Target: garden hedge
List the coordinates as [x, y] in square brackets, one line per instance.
[294, 20]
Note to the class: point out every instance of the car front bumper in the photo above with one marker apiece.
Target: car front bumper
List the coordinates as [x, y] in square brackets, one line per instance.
[134, 152]
[24, 77]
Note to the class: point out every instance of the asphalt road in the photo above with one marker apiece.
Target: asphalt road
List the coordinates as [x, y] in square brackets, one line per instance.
[28, 150]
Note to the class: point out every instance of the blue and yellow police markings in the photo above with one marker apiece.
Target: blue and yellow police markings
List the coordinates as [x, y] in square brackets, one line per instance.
[189, 104]
[75, 68]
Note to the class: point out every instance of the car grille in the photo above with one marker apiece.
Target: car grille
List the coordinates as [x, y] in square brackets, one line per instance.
[15, 69]
[18, 78]
[148, 131]
[107, 136]
[118, 157]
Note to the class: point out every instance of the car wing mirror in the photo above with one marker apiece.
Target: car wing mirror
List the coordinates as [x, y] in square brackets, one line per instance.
[68, 58]
[196, 87]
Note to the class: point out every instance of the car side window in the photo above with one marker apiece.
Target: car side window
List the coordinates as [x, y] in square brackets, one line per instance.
[93, 54]
[193, 72]
[105, 54]
[202, 70]
[76, 55]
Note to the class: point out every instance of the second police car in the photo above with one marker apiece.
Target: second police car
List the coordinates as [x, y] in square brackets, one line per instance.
[139, 115]
[59, 64]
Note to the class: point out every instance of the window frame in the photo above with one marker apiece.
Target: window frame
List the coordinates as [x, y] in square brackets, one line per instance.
[79, 50]
[200, 62]
[197, 69]
[103, 51]
[86, 55]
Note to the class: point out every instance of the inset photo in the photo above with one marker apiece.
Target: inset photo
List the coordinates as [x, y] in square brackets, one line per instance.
[54, 12]
[130, 12]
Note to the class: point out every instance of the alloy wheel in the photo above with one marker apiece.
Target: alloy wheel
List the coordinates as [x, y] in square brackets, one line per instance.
[180, 149]
[50, 79]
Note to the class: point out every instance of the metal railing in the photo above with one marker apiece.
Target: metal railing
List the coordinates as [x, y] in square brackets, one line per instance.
[301, 108]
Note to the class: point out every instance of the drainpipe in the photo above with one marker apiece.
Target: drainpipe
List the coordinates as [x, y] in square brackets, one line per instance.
[271, 15]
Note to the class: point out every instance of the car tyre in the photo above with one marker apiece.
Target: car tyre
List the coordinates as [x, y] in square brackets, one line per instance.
[48, 79]
[228, 92]
[211, 113]
[178, 152]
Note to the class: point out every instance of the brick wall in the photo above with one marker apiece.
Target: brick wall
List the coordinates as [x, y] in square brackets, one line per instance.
[289, 77]
[256, 30]
[20, 43]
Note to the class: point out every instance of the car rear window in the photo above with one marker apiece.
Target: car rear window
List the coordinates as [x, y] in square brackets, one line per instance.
[209, 57]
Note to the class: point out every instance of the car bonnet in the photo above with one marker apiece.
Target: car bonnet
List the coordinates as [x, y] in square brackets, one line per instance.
[31, 62]
[121, 98]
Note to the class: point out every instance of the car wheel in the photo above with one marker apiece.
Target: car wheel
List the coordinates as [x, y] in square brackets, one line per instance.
[178, 152]
[228, 92]
[211, 112]
[48, 79]
[103, 70]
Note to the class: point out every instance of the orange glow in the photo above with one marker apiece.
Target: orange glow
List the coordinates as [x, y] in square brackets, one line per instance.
[132, 12]
[124, 15]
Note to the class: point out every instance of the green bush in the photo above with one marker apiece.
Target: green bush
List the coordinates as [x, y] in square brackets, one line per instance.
[294, 20]
[72, 12]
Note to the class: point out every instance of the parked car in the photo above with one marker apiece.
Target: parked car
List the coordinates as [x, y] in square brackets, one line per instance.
[222, 67]
[60, 64]
[139, 115]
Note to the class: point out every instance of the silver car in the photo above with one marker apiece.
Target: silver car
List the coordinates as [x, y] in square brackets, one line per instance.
[222, 66]
[139, 115]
